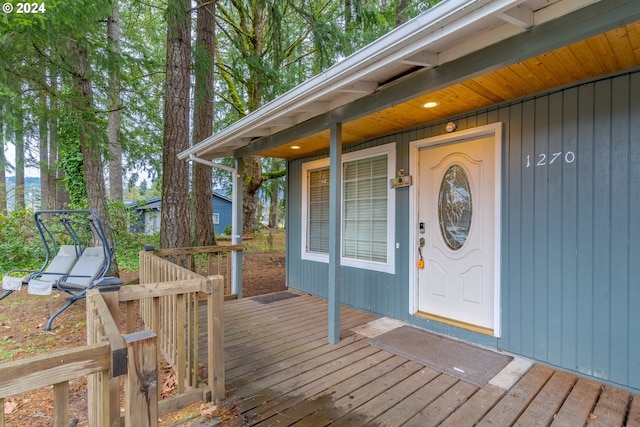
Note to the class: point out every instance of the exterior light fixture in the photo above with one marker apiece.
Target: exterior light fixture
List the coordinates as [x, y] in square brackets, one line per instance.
[430, 104]
[450, 127]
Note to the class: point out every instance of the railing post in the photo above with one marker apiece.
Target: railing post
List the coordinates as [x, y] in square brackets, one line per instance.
[61, 404]
[111, 299]
[141, 384]
[98, 395]
[215, 337]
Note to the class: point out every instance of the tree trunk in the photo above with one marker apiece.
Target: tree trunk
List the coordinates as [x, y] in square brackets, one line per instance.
[252, 178]
[401, 12]
[174, 226]
[18, 190]
[115, 114]
[43, 130]
[89, 139]
[58, 191]
[203, 121]
[3, 168]
[273, 205]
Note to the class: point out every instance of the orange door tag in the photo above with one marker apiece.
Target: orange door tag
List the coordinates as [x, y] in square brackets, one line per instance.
[420, 263]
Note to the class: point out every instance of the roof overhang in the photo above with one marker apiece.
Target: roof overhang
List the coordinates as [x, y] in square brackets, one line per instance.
[463, 54]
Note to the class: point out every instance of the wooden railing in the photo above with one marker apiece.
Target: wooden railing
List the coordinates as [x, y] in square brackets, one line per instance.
[107, 356]
[174, 314]
[56, 369]
[170, 298]
[204, 260]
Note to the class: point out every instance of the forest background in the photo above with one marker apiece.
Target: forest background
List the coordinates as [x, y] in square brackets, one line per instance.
[95, 95]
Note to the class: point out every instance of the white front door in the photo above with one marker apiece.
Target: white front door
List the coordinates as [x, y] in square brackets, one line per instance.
[456, 212]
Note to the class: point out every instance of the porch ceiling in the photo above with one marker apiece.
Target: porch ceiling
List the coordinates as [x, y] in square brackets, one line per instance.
[606, 53]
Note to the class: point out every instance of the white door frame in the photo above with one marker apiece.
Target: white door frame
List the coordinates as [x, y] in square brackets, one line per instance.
[495, 130]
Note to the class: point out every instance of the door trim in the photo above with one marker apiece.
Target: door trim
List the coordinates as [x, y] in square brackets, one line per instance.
[495, 130]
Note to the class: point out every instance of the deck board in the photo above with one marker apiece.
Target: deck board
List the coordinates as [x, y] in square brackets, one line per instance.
[438, 410]
[509, 409]
[315, 388]
[579, 404]
[611, 408]
[476, 407]
[281, 371]
[547, 403]
[633, 420]
[310, 409]
[415, 402]
[388, 398]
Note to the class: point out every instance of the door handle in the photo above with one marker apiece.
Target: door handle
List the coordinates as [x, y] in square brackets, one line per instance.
[420, 246]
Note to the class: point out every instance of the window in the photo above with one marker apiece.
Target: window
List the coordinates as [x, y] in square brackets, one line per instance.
[216, 218]
[368, 209]
[315, 210]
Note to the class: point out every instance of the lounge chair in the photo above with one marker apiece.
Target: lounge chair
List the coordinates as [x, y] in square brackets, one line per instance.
[59, 266]
[88, 272]
[75, 268]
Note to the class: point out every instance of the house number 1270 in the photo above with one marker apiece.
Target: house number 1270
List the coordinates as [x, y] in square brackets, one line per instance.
[548, 159]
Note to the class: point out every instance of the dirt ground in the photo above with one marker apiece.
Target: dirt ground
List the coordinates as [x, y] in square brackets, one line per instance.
[22, 321]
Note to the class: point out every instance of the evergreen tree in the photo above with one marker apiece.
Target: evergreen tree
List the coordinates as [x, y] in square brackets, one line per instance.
[174, 219]
[203, 120]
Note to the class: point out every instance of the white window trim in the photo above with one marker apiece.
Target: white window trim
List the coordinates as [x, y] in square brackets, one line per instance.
[306, 255]
[387, 267]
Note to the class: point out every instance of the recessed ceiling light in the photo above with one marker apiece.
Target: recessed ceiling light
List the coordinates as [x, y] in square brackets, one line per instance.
[430, 104]
[295, 147]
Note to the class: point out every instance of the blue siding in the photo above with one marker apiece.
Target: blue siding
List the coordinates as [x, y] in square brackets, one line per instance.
[570, 232]
[222, 206]
[634, 231]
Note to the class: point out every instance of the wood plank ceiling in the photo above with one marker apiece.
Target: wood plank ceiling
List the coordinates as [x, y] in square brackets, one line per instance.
[607, 53]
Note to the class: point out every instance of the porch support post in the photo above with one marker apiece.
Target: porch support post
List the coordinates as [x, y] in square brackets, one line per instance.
[335, 178]
[236, 227]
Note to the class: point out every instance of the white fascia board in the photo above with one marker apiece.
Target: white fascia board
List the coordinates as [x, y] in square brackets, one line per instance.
[443, 20]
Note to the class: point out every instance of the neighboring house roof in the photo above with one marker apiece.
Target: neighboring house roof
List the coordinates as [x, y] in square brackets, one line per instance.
[156, 202]
[463, 54]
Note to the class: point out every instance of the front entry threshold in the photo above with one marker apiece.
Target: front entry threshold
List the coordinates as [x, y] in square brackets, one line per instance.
[456, 323]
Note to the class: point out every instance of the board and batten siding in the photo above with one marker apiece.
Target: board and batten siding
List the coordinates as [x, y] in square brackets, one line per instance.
[571, 231]
[570, 261]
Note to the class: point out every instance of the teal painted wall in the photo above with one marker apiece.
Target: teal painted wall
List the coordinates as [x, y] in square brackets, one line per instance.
[570, 233]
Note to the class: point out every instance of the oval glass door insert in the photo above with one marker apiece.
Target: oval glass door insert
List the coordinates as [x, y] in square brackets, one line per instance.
[454, 207]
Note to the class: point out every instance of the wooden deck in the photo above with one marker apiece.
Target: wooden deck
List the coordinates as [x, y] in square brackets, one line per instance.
[280, 371]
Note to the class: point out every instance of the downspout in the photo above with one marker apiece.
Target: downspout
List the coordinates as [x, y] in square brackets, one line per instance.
[236, 221]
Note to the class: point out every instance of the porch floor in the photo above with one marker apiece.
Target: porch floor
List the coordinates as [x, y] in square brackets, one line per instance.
[281, 371]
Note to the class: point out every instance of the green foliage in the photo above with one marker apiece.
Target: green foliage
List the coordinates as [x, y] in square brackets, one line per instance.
[71, 163]
[20, 244]
[128, 244]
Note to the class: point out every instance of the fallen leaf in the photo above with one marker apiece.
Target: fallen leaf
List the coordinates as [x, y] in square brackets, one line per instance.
[208, 410]
[169, 385]
[9, 407]
[592, 416]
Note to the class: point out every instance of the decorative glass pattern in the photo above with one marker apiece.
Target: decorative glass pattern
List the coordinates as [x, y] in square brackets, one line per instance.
[454, 207]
